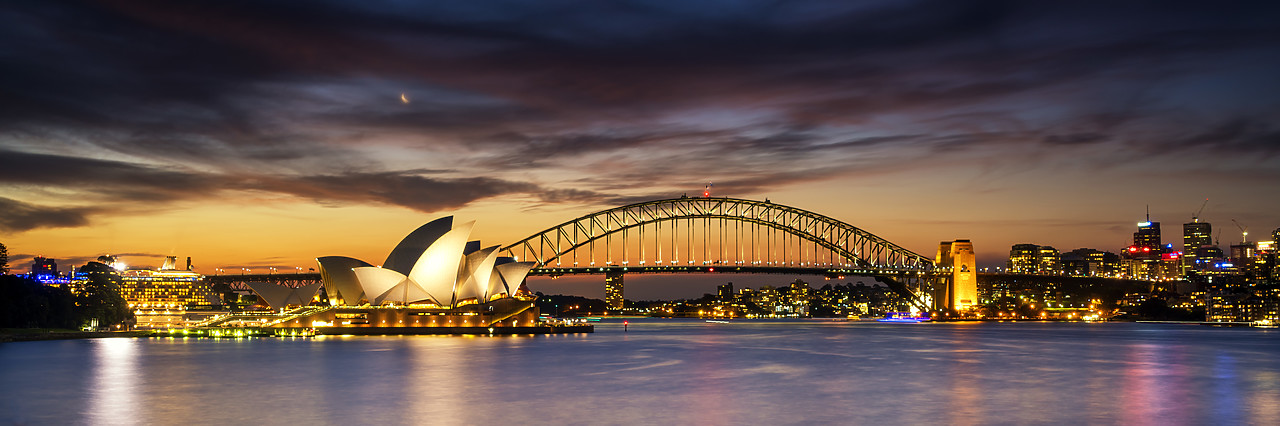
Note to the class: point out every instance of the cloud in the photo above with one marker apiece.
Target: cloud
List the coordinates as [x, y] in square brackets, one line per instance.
[1076, 138]
[120, 182]
[608, 102]
[407, 188]
[103, 179]
[19, 216]
[1239, 134]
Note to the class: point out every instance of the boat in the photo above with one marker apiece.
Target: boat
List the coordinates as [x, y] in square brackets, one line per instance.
[902, 317]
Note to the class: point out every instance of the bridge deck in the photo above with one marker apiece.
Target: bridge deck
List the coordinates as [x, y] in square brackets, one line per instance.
[720, 269]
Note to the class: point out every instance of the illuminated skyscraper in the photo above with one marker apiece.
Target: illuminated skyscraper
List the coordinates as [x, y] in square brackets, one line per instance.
[1048, 261]
[1023, 259]
[613, 291]
[1034, 259]
[1195, 236]
[1148, 237]
[1142, 259]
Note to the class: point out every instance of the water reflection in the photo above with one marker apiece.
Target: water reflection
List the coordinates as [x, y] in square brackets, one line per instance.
[966, 393]
[709, 385]
[113, 396]
[663, 372]
[1264, 395]
[440, 386]
[1226, 390]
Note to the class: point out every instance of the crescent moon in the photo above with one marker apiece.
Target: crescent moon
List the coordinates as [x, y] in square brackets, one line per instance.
[404, 98]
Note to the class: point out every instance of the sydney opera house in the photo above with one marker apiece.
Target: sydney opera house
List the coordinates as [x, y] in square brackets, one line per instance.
[434, 281]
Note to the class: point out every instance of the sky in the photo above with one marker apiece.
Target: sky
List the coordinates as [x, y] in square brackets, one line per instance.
[256, 134]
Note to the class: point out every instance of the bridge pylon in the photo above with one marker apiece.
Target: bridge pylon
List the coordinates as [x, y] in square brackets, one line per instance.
[956, 288]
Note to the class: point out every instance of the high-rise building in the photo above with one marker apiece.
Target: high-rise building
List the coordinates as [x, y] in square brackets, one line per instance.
[1023, 259]
[725, 291]
[1195, 236]
[43, 266]
[1048, 261]
[613, 297]
[1147, 239]
[1243, 254]
[961, 291]
[1090, 262]
[1142, 259]
[1034, 259]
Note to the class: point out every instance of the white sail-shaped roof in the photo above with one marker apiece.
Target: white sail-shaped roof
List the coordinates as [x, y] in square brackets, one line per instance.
[495, 286]
[377, 282]
[512, 275]
[437, 269]
[340, 282]
[406, 254]
[404, 293]
[476, 275]
[305, 293]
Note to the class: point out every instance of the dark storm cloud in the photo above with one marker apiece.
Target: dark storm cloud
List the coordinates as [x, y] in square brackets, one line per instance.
[406, 188]
[18, 216]
[1239, 134]
[570, 59]
[1076, 138]
[122, 182]
[102, 179]
[211, 94]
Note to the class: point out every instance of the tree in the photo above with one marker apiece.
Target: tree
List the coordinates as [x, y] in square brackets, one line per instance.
[101, 299]
[4, 259]
[25, 303]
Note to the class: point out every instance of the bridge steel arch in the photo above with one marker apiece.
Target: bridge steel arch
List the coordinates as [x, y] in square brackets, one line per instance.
[859, 248]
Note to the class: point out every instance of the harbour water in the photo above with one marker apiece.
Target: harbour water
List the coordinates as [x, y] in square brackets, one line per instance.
[664, 372]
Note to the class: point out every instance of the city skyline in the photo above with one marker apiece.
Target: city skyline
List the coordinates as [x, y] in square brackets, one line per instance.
[237, 133]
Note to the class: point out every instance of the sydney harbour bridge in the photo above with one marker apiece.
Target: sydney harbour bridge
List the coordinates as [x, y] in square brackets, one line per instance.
[693, 235]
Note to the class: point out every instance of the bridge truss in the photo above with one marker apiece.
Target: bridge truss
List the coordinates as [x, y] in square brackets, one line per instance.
[241, 281]
[735, 235]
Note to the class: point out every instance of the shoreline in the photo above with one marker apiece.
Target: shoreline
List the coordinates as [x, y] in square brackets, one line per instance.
[35, 336]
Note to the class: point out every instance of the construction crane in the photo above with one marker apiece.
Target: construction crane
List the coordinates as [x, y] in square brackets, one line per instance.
[1244, 232]
[1195, 217]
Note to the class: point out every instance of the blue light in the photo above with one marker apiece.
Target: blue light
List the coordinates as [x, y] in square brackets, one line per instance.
[1144, 224]
[902, 317]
